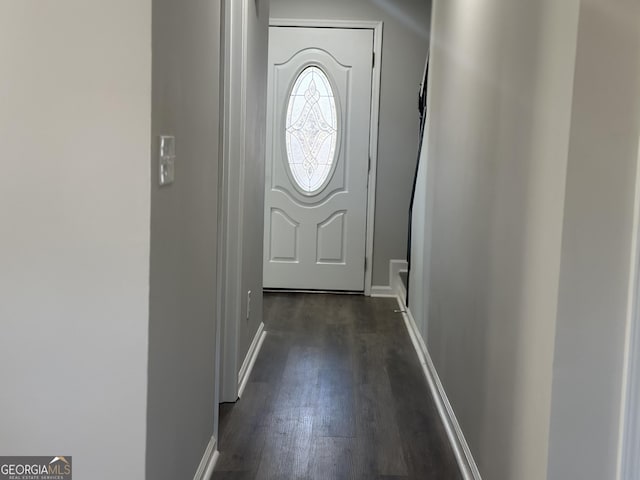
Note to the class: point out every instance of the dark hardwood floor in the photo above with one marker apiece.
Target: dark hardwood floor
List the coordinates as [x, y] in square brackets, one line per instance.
[337, 392]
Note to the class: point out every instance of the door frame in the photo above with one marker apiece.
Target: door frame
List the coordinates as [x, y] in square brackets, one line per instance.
[231, 191]
[376, 27]
[231, 177]
[629, 440]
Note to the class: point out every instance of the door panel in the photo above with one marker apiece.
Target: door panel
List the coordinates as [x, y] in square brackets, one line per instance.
[317, 157]
[284, 237]
[332, 239]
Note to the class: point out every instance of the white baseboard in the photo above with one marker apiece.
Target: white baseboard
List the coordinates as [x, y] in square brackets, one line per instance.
[382, 291]
[465, 459]
[208, 462]
[395, 284]
[250, 359]
[461, 450]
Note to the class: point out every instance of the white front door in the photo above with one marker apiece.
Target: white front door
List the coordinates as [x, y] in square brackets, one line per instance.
[318, 120]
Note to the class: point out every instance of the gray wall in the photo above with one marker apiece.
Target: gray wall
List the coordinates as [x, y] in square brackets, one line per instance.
[186, 63]
[406, 41]
[502, 76]
[420, 242]
[255, 150]
[592, 310]
[529, 190]
[74, 128]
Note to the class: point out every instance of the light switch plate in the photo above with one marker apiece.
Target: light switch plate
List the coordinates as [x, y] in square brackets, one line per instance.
[167, 158]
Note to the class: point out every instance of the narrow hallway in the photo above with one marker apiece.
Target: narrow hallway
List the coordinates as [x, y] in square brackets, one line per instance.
[337, 392]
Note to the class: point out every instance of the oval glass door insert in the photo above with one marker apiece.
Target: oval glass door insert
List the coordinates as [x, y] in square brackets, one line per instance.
[311, 131]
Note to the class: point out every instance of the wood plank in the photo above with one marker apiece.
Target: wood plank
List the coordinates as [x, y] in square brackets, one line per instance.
[337, 392]
[244, 436]
[299, 383]
[332, 458]
[287, 448]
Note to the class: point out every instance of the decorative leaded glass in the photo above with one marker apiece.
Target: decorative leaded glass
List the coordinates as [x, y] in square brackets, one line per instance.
[311, 130]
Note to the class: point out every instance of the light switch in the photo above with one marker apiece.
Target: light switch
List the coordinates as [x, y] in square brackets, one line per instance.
[167, 159]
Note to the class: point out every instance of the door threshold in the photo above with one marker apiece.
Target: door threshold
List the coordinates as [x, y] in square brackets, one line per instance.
[312, 290]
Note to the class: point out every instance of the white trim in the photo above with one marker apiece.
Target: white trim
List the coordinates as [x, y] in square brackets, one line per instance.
[373, 153]
[382, 291]
[208, 462]
[232, 191]
[395, 287]
[375, 116]
[628, 467]
[458, 443]
[395, 267]
[461, 450]
[220, 290]
[250, 359]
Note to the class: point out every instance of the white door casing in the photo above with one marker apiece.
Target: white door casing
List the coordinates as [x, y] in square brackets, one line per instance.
[316, 214]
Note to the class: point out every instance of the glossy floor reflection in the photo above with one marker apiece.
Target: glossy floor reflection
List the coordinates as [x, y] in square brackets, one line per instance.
[337, 392]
